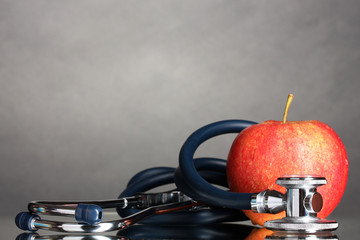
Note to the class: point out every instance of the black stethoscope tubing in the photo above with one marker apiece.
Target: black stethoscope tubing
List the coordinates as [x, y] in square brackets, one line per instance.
[195, 177]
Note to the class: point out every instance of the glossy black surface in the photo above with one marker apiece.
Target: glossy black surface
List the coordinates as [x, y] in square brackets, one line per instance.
[349, 229]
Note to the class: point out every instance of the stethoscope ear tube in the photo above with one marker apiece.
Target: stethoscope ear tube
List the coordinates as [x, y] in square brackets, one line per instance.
[193, 178]
[190, 181]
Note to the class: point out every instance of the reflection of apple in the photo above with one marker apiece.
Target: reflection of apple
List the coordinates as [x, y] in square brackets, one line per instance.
[263, 152]
[259, 234]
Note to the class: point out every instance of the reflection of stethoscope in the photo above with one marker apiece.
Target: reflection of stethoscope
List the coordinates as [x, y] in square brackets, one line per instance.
[143, 231]
[201, 232]
[195, 201]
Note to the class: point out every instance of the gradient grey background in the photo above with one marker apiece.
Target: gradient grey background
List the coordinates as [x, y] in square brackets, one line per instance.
[92, 92]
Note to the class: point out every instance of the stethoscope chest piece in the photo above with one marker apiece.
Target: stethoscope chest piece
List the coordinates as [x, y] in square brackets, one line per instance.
[302, 203]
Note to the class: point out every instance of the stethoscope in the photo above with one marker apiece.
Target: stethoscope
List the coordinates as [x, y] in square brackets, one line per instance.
[195, 201]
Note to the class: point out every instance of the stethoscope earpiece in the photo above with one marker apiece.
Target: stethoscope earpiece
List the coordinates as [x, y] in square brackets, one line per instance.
[25, 221]
[88, 213]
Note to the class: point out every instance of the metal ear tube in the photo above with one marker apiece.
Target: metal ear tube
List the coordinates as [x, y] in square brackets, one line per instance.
[301, 202]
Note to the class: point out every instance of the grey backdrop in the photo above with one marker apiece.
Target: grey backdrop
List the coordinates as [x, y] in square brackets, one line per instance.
[92, 92]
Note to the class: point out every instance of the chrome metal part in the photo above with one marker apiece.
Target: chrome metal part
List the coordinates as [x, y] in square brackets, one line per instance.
[142, 201]
[153, 199]
[301, 224]
[302, 203]
[67, 208]
[268, 201]
[301, 196]
[35, 236]
[110, 225]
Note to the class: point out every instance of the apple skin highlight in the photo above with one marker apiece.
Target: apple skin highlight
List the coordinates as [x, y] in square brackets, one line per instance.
[263, 152]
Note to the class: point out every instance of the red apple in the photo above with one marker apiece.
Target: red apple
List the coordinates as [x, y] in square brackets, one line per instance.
[263, 152]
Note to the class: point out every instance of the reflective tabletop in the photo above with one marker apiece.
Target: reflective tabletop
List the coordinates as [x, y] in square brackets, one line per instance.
[348, 229]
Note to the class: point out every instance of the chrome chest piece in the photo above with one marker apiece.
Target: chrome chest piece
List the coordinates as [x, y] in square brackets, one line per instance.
[301, 202]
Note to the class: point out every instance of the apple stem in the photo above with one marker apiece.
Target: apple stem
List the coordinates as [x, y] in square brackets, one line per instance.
[287, 106]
